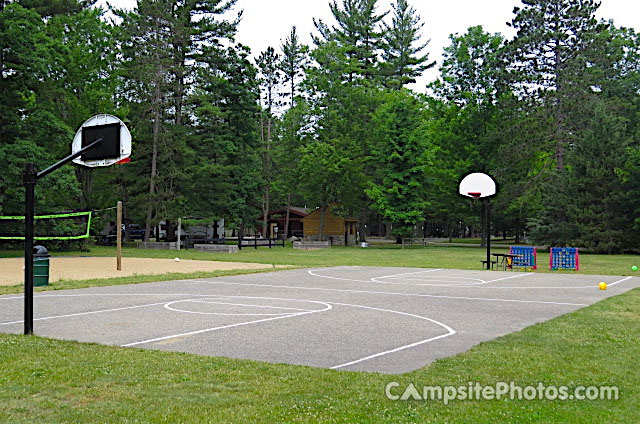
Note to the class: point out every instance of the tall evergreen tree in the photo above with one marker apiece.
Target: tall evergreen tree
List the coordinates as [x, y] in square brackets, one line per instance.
[268, 64]
[548, 58]
[295, 57]
[357, 37]
[226, 169]
[401, 156]
[148, 64]
[293, 63]
[402, 58]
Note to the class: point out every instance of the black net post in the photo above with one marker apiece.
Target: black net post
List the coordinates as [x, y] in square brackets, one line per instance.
[29, 179]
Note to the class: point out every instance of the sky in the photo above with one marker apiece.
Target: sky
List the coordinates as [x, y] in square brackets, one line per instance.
[268, 22]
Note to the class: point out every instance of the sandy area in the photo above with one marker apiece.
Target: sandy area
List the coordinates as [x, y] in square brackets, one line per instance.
[61, 268]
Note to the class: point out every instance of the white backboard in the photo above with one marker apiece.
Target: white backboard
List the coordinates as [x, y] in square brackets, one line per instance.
[477, 185]
[97, 121]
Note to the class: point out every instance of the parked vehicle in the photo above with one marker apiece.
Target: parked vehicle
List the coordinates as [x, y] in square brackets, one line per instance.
[136, 232]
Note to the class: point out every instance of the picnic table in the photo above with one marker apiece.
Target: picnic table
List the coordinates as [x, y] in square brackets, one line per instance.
[505, 260]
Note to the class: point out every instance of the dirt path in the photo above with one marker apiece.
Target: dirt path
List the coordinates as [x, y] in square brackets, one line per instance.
[61, 268]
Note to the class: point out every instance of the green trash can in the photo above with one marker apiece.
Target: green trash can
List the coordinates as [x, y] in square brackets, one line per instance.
[40, 266]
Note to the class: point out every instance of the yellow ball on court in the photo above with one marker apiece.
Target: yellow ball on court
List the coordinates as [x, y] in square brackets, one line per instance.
[602, 286]
[177, 259]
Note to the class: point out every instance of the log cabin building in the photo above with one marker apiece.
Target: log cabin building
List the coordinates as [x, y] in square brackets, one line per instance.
[337, 229]
[276, 222]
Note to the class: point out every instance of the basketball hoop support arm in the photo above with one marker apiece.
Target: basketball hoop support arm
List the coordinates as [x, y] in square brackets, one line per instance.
[30, 178]
[68, 159]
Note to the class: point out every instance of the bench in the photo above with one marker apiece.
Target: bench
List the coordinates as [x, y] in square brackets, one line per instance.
[311, 245]
[493, 263]
[418, 241]
[228, 248]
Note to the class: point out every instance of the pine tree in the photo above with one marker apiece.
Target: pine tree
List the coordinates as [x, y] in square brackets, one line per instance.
[548, 58]
[149, 61]
[357, 36]
[402, 60]
[226, 169]
[294, 61]
[268, 64]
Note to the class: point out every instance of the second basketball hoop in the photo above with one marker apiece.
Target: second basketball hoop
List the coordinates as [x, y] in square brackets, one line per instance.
[478, 185]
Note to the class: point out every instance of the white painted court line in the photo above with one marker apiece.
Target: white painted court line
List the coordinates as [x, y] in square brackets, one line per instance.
[312, 272]
[511, 277]
[410, 273]
[425, 281]
[249, 305]
[171, 308]
[450, 332]
[222, 327]
[594, 286]
[389, 293]
[619, 281]
[87, 313]
[482, 285]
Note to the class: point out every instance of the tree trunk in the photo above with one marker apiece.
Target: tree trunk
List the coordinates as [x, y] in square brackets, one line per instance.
[323, 210]
[267, 176]
[293, 88]
[286, 221]
[558, 112]
[362, 224]
[265, 211]
[171, 231]
[154, 157]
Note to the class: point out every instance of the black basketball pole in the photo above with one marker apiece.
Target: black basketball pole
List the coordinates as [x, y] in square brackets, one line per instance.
[487, 207]
[30, 178]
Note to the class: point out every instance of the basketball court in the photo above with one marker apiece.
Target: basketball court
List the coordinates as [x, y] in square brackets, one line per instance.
[388, 320]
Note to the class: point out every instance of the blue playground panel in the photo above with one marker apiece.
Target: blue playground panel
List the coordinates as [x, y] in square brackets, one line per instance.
[528, 259]
[564, 258]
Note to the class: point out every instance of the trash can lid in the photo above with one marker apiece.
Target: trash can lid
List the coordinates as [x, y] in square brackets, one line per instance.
[40, 251]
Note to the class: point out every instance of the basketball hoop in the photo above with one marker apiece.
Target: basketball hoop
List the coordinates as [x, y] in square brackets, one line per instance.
[477, 185]
[116, 145]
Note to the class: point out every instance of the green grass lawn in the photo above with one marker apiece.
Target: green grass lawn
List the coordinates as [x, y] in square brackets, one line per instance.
[460, 257]
[456, 257]
[51, 381]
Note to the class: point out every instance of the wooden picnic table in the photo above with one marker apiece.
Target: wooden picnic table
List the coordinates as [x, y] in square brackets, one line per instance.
[505, 260]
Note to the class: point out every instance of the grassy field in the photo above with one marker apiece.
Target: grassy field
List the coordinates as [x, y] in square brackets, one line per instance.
[456, 257]
[51, 381]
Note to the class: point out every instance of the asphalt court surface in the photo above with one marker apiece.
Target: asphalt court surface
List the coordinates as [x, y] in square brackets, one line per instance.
[389, 320]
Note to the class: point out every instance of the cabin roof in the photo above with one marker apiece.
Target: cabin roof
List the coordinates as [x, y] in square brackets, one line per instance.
[294, 210]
